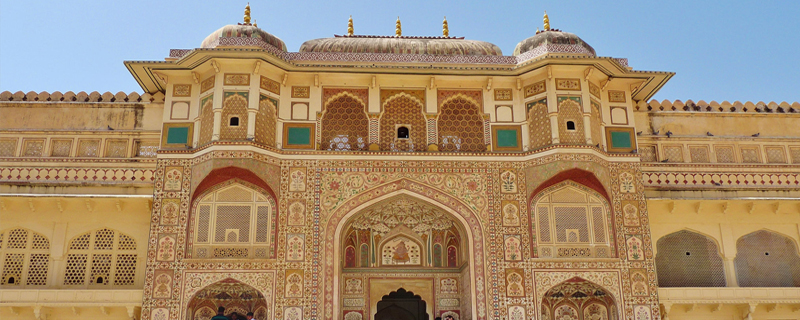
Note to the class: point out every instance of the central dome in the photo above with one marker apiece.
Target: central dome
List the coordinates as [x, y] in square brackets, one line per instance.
[402, 45]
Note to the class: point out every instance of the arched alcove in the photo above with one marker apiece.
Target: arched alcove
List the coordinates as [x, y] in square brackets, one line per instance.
[231, 294]
[689, 259]
[576, 299]
[233, 219]
[767, 259]
[571, 220]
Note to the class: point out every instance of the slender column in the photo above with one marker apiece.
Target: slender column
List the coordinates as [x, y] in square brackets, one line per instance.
[217, 124]
[554, 128]
[587, 128]
[251, 123]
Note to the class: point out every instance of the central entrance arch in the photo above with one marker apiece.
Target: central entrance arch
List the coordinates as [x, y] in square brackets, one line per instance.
[233, 295]
[402, 249]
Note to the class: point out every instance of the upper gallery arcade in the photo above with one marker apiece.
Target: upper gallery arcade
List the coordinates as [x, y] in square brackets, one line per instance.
[396, 93]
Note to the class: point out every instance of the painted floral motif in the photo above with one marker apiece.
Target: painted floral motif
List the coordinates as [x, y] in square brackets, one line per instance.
[170, 209]
[642, 312]
[510, 215]
[595, 311]
[626, 183]
[163, 286]
[297, 179]
[166, 249]
[516, 313]
[297, 213]
[159, 314]
[508, 182]
[514, 285]
[295, 247]
[639, 283]
[449, 285]
[352, 315]
[566, 313]
[293, 313]
[513, 251]
[353, 286]
[294, 284]
[634, 244]
[400, 251]
[630, 215]
[173, 179]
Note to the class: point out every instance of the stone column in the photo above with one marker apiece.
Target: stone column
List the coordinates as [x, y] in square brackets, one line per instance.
[217, 124]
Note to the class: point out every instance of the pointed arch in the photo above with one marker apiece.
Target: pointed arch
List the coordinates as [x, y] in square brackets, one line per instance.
[583, 177]
[235, 104]
[233, 218]
[206, 120]
[572, 220]
[233, 295]
[403, 109]
[100, 258]
[461, 124]
[221, 175]
[689, 259]
[576, 295]
[765, 258]
[344, 123]
[466, 218]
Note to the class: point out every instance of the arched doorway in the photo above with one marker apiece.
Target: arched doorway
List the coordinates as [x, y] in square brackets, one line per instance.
[401, 305]
[404, 240]
[231, 294]
[578, 299]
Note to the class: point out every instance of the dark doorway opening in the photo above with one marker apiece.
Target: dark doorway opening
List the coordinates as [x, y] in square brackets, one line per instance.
[401, 305]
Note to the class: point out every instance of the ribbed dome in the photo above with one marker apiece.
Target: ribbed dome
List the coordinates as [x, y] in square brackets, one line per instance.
[554, 41]
[402, 45]
[241, 35]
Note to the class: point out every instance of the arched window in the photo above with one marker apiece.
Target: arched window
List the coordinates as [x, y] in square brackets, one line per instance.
[234, 221]
[26, 258]
[100, 258]
[234, 106]
[767, 259]
[206, 120]
[266, 120]
[344, 125]
[461, 126]
[689, 259]
[577, 298]
[403, 111]
[572, 222]
[570, 119]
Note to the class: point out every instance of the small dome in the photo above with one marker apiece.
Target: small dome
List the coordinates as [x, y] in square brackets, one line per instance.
[554, 41]
[402, 45]
[245, 35]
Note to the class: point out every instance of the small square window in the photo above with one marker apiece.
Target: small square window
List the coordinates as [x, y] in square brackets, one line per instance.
[234, 122]
[571, 125]
[402, 133]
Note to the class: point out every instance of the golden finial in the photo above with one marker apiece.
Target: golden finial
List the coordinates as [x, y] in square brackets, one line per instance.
[546, 22]
[255, 23]
[445, 29]
[247, 14]
[350, 26]
[398, 31]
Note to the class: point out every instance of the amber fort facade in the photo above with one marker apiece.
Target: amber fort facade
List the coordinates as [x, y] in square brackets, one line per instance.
[325, 183]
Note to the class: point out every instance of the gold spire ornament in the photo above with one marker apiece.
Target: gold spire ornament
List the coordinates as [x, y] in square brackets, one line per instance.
[255, 23]
[398, 31]
[350, 26]
[247, 14]
[445, 29]
[546, 22]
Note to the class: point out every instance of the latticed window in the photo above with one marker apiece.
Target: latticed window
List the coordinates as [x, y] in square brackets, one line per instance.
[234, 222]
[571, 223]
[25, 258]
[767, 259]
[689, 259]
[101, 258]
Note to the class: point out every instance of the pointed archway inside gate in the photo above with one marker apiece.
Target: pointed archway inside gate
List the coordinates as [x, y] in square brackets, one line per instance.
[401, 305]
[231, 294]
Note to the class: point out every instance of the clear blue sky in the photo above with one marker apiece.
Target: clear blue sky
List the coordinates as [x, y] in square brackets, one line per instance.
[720, 50]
